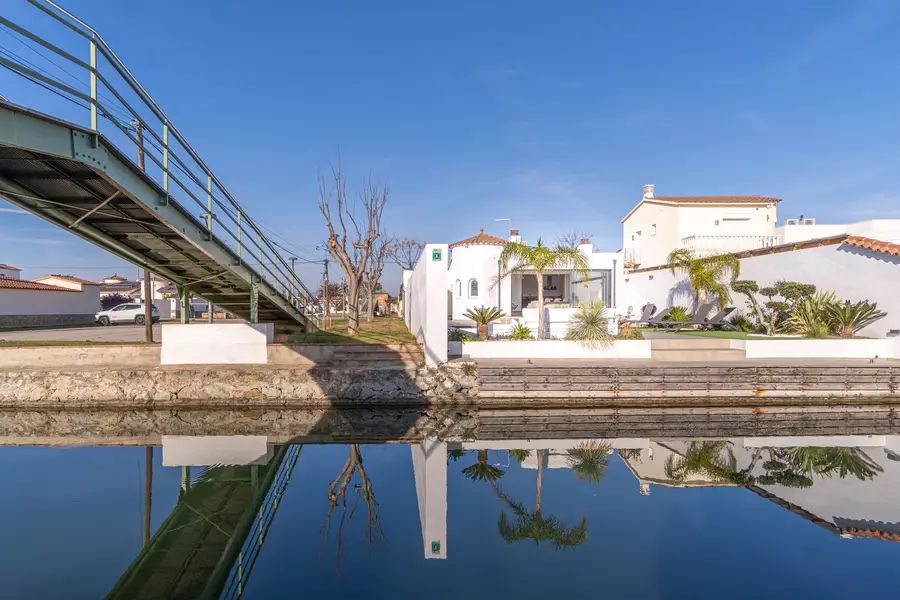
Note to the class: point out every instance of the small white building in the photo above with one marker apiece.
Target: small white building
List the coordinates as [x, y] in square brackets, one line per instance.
[705, 225]
[52, 300]
[473, 281]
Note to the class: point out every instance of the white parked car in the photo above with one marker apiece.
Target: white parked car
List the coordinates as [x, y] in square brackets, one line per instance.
[125, 313]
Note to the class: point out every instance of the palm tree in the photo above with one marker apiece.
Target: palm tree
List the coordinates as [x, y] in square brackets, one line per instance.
[520, 455]
[706, 275]
[849, 318]
[829, 461]
[482, 317]
[537, 260]
[715, 460]
[589, 460]
[482, 471]
[532, 525]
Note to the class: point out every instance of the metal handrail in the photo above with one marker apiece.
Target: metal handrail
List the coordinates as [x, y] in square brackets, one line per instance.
[253, 237]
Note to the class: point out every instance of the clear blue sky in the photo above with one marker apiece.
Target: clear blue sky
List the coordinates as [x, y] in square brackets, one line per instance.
[554, 114]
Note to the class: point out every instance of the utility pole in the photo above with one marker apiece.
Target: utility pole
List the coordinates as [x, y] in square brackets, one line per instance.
[293, 259]
[325, 293]
[148, 287]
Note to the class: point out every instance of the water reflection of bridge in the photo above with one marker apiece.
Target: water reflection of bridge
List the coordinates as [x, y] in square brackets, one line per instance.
[208, 545]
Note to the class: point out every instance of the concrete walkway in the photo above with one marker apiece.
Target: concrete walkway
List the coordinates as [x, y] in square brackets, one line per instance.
[113, 333]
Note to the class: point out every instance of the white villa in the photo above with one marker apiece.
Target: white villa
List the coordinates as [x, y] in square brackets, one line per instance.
[474, 268]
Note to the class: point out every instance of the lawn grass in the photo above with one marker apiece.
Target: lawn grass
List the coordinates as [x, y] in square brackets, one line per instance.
[380, 330]
[731, 335]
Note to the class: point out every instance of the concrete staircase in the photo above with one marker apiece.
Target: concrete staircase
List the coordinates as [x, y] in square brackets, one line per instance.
[374, 356]
[695, 349]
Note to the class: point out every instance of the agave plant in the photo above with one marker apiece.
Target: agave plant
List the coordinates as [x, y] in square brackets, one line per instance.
[810, 316]
[482, 316]
[678, 314]
[849, 318]
[521, 332]
[589, 324]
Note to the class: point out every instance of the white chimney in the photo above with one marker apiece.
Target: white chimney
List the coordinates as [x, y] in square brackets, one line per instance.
[586, 246]
[514, 236]
[648, 190]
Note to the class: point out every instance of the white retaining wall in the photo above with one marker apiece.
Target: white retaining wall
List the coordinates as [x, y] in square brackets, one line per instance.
[636, 349]
[853, 273]
[881, 348]
[49, 302]
[425, 293]
[215, 343]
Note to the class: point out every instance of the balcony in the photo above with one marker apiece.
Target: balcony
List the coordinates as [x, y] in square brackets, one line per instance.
[632, 257]
[712, 245]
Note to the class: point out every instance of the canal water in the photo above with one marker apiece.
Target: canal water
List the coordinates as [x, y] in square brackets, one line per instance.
[738, 517]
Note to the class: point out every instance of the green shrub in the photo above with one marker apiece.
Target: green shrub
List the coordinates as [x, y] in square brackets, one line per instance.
[849, 318]
[678, 314]
[818, 331]
[521, 332]
[742, 322]
[629, 333]
[811, 315]
[458, 335]
[590, 324]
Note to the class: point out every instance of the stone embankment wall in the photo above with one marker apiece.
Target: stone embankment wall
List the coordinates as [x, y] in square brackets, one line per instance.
[165, 387]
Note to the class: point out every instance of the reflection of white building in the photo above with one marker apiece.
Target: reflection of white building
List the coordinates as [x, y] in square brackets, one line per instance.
[474, 270]
[846, 506]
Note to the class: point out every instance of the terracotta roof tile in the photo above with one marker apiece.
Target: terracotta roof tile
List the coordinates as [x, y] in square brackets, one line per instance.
[482, 239]
[717, 199]
[8, 268]
[888, 536]
[115, 277]
[23, 284]
[68, 278]
[876, 245]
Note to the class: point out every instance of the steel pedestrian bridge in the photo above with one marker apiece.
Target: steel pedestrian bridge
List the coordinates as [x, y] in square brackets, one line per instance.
[154, 203]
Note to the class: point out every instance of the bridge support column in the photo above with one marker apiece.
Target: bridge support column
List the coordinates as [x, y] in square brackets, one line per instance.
[184, 298]
[254, 300]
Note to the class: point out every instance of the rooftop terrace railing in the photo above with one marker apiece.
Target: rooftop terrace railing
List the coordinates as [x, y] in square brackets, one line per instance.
[109, 92]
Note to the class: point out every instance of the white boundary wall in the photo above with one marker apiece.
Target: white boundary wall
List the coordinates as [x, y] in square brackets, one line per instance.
[425, 302]
[216, 343]
[429, 461]
[853, 273]
[635, 349]
[882, 348]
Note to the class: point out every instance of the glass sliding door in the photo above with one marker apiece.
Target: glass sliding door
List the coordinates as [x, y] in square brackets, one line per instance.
[596, 286]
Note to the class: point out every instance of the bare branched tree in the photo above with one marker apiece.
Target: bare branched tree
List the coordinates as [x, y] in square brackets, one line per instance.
[374, 268]
[406, 252]
[337, 495]
[351, 247]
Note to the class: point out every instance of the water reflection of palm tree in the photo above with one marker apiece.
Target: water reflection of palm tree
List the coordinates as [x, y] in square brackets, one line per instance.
[834, 461]
[715, 460]
[482, 471]
[534, 525]
[589, 460]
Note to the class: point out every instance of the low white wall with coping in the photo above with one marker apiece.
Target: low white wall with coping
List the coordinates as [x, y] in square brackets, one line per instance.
[852, 348]
[216, 343]
[425, 302]
[635, 349]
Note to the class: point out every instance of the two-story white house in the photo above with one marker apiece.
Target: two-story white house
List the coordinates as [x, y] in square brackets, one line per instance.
[705, 225]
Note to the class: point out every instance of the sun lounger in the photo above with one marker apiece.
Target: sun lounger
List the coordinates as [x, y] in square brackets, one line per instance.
[718, 321]
[699, 318]
[646, 314]
[659, 318]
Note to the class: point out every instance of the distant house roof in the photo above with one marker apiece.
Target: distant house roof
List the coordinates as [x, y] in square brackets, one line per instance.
[482, 239]
[717, 199]
[68, 278]
[704, 200]
[23, 284]
[124, 289]
[115, 277]
[8, 267]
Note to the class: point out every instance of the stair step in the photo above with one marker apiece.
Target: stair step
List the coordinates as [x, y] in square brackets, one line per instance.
[698, 354]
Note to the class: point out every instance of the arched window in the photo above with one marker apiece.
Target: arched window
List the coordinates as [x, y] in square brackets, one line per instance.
[473, 288]
[458, 288]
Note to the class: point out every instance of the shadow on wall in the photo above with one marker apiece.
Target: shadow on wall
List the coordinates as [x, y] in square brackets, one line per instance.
[865, 252]
[682, 294]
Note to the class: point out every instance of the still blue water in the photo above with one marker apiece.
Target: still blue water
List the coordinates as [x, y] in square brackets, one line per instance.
[71, 521]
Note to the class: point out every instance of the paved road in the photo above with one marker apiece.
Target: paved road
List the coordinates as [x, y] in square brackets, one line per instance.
[113, 333]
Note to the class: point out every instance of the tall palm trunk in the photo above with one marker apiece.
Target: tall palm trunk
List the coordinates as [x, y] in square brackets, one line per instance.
[482, 456]
[541, 459]
[540, 302]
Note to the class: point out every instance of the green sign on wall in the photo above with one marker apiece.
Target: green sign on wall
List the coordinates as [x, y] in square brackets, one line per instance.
[436, 546]
[435, 255]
